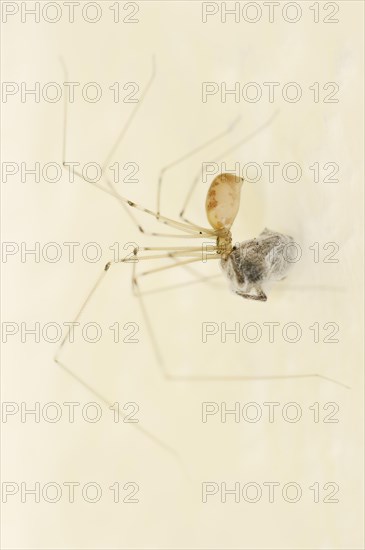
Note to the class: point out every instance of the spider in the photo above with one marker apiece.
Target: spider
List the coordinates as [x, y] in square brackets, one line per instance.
[247, 265]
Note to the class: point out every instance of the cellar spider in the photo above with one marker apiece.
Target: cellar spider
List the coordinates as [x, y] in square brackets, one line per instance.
[248, 265]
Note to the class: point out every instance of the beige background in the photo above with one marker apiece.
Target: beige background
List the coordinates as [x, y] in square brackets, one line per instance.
[172, 121]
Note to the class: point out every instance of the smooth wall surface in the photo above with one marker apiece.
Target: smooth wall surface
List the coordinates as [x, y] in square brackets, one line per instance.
[239, 424]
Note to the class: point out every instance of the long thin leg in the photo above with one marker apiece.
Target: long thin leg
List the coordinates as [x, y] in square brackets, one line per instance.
[178, 286]
[97, 285]
[171, 266]
[185, 157]
[130, 119]
[179, 263]
[166, 374]
[113, 148]
[120, 139]
[198, 278]
[109, 404]
[191, 230]
[221, 156]
[187, 228]
[114, 192]
[178, 249]
[189, 378]
[193, 254]
[148, 324]
[197, 275]
[97, 394]
[57, 360]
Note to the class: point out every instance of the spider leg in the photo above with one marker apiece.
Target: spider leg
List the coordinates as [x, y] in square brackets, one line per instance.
[204, 379]
[185, 157]
[221, 156]
[191, 230]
